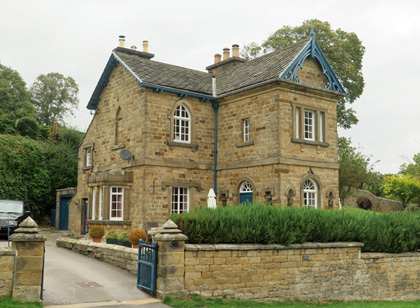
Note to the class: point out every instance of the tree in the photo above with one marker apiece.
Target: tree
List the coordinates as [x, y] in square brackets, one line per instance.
[404, 187]
[14, 97]
[343, 50]
[355, 169]
[28, 127]
[54, 96]
[412, 169]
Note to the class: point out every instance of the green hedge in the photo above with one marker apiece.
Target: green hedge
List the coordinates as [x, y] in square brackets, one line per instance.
[393, 232]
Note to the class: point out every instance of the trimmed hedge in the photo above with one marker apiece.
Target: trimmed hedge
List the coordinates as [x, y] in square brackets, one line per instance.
[262, 224]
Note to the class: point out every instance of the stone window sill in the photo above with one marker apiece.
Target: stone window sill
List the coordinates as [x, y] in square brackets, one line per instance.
[87, 168]
[245, 144]
[316, 143]
[118, 146]
[172, 144]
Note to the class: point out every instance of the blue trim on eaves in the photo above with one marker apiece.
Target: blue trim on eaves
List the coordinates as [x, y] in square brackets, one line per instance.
[313, 50]
[113, 61]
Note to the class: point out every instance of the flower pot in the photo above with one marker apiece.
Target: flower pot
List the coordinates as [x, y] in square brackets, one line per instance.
[125, 244]
[97, 240]
[136, 246]
[112, 241]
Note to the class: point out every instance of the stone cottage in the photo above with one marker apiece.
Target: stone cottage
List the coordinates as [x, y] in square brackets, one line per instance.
[262, 130]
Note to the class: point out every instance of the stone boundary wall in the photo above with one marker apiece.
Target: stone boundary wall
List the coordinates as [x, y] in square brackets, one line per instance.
[119, 256]
[311, 271]
[7, 266]
[378, 204]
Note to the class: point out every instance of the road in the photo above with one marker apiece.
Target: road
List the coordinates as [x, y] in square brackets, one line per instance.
[75, 281]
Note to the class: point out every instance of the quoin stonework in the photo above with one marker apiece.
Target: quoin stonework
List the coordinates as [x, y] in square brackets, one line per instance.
[261, 130]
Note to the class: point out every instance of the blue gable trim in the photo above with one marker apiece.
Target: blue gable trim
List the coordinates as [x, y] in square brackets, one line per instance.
[313, 50]
[112, 62]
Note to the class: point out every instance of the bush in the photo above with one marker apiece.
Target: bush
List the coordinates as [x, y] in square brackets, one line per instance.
[393, 232]
[136, 235]
[112, 235]
[28, 127]
[96, 232]
[124, 237]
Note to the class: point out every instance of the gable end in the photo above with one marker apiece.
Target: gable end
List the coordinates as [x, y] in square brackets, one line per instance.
[312, 50]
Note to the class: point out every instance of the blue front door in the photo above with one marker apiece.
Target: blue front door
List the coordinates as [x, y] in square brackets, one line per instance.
[63, 219]
[245, 197]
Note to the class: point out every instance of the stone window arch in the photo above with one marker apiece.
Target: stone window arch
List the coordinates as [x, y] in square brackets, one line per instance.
[330, 197]
[246, 192]
[290, 193]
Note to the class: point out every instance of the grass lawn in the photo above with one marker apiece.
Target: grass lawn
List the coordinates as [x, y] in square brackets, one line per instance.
[7, 302]
[198, 302]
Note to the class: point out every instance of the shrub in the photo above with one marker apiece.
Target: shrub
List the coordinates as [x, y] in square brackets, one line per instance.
[28, 127]
[136, 235]
[124, 236]
[112, 235]
[387, 232]
[96, 232]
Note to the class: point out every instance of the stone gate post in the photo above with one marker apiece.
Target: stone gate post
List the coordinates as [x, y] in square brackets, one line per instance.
[170, 268]
[29, 265]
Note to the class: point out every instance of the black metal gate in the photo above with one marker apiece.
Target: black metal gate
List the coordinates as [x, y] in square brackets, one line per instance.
[147, 266]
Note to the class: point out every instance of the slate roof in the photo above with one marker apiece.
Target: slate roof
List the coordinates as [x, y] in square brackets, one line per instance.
[167, 75]
[185, 81]
[264, 68]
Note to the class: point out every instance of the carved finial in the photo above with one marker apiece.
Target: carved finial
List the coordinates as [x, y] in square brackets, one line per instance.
[312, 32]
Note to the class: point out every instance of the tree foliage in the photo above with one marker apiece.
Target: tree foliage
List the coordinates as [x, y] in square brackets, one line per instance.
[28, 127]
[355, 169]
[343, 50]
[412, 168]
[54, 96]
[404, 187]
[14, 97]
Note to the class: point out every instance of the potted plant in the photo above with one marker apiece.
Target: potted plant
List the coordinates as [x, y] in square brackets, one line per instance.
[135, 236]
[96, 233]
[124, 239]
[112, 237]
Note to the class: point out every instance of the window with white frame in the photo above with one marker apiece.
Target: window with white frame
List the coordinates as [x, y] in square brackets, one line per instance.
[309, 125]
[309, 132]
[117, 203]
[182, 125]
[246, 129]
[180, 200]
[310, 193]
[101, 200]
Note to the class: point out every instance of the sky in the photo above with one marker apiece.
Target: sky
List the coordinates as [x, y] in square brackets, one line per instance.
[75, 38]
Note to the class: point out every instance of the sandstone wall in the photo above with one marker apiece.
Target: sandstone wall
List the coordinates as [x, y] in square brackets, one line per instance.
[312, 271]
[7, 266]
[378, 204]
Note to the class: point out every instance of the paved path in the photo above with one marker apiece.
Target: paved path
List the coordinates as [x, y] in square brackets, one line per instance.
[75, 281]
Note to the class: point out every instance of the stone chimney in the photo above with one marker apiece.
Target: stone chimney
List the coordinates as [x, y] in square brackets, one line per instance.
[235, 50]
[145, 46]
[122, 41]
[226, 53]
[228, 61]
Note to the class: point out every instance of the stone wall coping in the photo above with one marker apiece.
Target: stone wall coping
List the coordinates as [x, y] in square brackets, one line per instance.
[197, 247]
[104, 246]
[382, 255]
[7, 251]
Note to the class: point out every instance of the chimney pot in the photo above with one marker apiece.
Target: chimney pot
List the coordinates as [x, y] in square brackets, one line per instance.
[226, 53]
[122, 40]
[145, 46]
[217, 58]
[235, 50]
[133, 47]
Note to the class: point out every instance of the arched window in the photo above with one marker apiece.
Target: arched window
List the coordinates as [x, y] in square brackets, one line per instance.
[182, 125]
[310, 193]
[245, 192]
